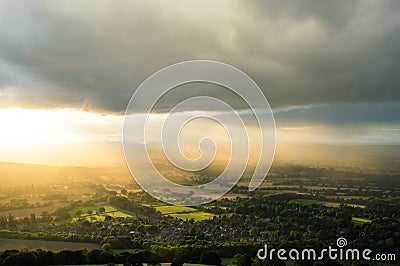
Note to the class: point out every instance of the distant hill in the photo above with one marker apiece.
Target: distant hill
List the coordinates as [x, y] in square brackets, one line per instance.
[356, 157]
[382, 158]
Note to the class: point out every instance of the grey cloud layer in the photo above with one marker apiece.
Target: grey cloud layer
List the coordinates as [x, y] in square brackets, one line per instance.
[93, 54]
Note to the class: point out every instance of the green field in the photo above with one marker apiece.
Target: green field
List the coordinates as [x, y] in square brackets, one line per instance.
[210, 207]
[44, 244]
[109, 211]
[325, 203]
[180, 212]
[168, 264]
[361, 220]
[27, 212]
[166, 209]
[197, 216]
[184, 213]
[311, 201]
[356, 206]
[226, 261]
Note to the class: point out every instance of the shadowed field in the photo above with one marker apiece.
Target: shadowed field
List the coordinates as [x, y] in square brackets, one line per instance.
[45, 245]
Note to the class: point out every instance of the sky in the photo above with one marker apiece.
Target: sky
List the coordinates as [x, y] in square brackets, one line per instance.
[329, 69]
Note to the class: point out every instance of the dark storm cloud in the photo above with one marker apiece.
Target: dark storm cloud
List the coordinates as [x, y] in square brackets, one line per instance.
[93, 54]
[344, 114]
[326, 51]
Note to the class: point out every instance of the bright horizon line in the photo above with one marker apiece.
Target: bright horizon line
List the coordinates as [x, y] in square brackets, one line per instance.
[68, 136]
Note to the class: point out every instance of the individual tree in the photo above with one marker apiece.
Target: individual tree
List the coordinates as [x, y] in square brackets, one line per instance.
[106, 247]
[21, 259]
[177, 261]
[153, 258]
[136, 258]
[11, 220]
[93, 256]
[45, 217]
[242, 260]
[33, 218]
[210, 258]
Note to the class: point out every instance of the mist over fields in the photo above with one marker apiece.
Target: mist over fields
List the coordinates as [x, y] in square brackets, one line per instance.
[366, 158]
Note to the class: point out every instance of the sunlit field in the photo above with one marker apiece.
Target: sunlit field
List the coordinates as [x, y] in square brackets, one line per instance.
[184, 213]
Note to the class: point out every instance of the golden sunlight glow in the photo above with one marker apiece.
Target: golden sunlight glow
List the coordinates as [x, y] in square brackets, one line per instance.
[71, 136]
[62, 136]
[21, 126]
